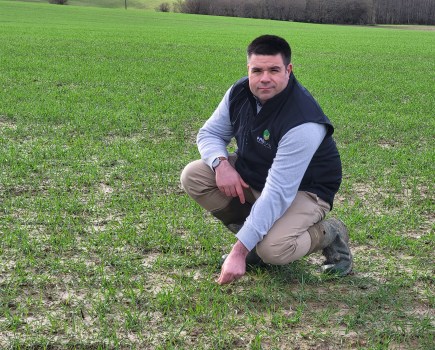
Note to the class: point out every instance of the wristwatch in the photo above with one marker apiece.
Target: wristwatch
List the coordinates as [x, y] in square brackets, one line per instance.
[217, 161]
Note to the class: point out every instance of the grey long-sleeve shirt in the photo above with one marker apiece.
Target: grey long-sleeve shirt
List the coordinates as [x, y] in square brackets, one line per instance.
[295, 150]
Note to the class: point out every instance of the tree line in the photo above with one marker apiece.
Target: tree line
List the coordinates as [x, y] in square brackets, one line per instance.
[316, 11]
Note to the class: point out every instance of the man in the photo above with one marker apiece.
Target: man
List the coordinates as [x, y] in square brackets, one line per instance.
[276, 189]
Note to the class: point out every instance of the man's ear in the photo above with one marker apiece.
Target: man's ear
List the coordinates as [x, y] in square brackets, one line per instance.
[289, 68]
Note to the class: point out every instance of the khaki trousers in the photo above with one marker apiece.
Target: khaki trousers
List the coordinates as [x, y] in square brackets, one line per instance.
[288, 239]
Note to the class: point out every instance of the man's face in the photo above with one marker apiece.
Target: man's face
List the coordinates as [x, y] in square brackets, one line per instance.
[268, 75]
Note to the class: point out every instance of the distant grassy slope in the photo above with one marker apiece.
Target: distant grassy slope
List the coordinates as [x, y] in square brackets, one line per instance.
[137, 4]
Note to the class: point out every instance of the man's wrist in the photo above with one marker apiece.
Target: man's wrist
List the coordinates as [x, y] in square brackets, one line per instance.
[217, 161]
[239, 248]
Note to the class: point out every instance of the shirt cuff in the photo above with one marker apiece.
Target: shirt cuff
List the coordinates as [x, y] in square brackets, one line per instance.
[248, 236]
[209, 160]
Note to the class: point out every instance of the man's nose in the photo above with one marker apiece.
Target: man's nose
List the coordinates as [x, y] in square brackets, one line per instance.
[265, 76]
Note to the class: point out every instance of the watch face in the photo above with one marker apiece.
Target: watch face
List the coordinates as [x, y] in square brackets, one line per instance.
[215, 163]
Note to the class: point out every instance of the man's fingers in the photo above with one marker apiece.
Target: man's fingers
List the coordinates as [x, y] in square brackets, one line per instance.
[222, 279]
[225, 190]
[244, 184]
[241, 194]
[240, 191]
[232, 191]
[225, 279]
[235, 190]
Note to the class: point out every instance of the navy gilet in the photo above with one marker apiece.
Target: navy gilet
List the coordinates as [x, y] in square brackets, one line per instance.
[258, 136]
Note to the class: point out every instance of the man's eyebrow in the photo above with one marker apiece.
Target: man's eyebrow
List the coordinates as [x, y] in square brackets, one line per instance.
[271, 67]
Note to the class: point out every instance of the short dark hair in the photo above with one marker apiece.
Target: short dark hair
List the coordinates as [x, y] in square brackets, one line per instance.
[270, 45]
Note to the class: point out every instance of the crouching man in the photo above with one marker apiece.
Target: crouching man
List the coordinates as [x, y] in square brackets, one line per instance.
[276, 189]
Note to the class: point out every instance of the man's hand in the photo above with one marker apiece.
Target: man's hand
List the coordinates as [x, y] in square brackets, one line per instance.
[234, 266]
[229, 181]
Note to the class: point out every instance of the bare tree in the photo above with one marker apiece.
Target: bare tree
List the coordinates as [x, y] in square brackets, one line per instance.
[164, 7]
[249, 9]
[58, 2]
[320, 11]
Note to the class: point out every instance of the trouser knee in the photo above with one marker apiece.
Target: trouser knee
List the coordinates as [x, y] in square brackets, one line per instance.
[191, 179]
[185, 177]
[276, 254]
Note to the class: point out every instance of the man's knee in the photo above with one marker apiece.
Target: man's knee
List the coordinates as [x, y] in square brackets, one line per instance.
[186, 176]
[194, 179]
[276, 254]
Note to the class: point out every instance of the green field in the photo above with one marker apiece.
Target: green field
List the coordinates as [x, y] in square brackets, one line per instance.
[101, 249]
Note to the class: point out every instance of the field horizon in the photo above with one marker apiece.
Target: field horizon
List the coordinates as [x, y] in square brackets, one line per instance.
[101, 248]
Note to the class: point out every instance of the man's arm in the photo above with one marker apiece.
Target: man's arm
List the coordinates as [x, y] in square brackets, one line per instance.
[214, 137]
[294, 154]
[212, 140]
